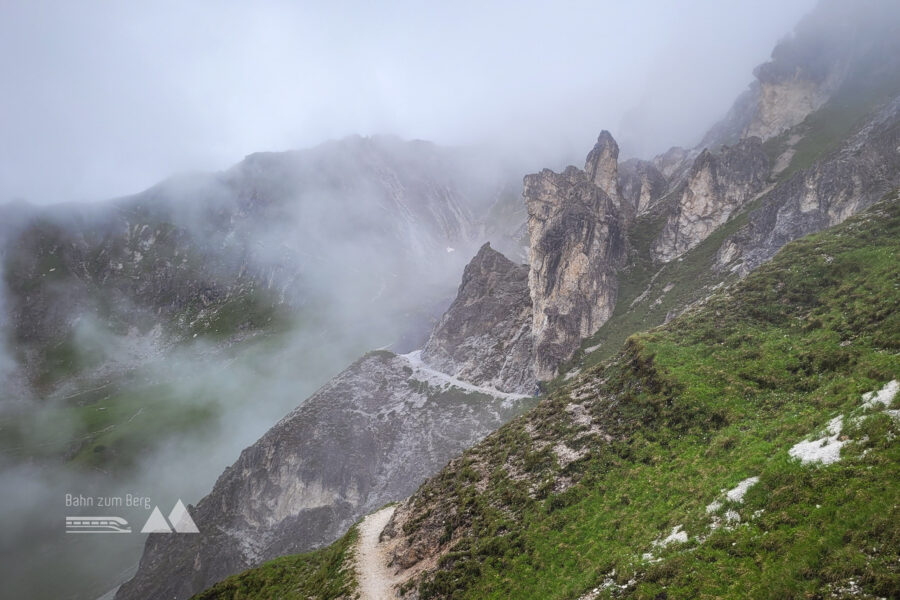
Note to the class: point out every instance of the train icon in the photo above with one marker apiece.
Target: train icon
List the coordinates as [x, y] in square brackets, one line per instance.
[97, 525]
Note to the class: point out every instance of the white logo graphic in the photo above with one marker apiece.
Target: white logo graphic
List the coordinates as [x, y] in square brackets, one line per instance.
[97, 525]
[180, 521]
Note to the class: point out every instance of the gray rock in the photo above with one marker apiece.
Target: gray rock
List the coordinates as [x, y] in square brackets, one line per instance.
[641, 184]
[860, 172]
[485, 337]
[602, 165]
[716, 186]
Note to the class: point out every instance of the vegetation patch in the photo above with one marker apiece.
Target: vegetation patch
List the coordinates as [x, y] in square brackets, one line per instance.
[324, 574]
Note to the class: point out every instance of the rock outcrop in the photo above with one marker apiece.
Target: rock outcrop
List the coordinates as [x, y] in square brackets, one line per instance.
[716, 186]
[828, 48]
[369, 436]
[860, 172]
[577, 236]
[641, 184]
[485, 337]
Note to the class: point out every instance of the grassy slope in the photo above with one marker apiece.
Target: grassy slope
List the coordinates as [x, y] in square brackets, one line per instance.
[693, 408]
[323, 574]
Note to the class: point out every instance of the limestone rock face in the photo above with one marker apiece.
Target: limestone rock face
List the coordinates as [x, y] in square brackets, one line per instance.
[785, 103]
[485, 338]
[369, 436]
[577, 238]
[716, 186]
[674, 162]
[833, 45]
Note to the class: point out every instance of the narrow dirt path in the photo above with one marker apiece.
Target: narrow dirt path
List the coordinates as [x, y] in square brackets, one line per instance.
[375, 579]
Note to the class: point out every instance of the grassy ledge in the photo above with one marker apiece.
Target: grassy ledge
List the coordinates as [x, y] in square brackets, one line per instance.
[324, 574]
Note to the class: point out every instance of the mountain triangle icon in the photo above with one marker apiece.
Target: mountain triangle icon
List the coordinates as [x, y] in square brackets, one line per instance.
[156, 523]
[181, 519]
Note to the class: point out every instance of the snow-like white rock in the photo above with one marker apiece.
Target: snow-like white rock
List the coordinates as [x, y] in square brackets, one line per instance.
[884, 396]
[737, 494]
[825, 450]
[676, 537]
[422, 372]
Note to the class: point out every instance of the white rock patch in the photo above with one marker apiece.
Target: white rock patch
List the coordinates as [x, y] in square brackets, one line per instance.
[737, 494]
[825, 450]
[884, 396]
[422, 372]
[676, 537]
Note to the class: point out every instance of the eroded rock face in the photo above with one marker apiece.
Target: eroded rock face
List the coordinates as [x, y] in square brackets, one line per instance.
[369, 436]
[717, 185]
[849, 180]
[485, 337]
[783, 103]
[829, 47]
[577, 239]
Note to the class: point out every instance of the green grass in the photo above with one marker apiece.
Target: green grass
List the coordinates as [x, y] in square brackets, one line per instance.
[322, 575]
[693, 408]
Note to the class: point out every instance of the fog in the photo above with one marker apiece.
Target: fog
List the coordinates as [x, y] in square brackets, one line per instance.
[159, 411]
[102, 99]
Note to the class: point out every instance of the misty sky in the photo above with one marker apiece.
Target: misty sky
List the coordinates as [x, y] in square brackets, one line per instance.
[106, 98]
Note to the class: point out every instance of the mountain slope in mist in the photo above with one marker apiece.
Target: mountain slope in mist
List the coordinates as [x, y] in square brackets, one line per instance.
[187, 319]
[693, 221]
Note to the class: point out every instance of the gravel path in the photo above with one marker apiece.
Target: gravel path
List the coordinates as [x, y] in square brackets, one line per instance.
[375, 580]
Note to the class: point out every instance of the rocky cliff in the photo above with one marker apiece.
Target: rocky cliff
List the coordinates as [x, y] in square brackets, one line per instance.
[577, 241]
[716, 186]
[862, 170]
[485, 336]
[641, 184]
[828, 48]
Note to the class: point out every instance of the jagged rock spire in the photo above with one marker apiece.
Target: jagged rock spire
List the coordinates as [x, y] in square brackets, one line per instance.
[602, 165]
[577, 241]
